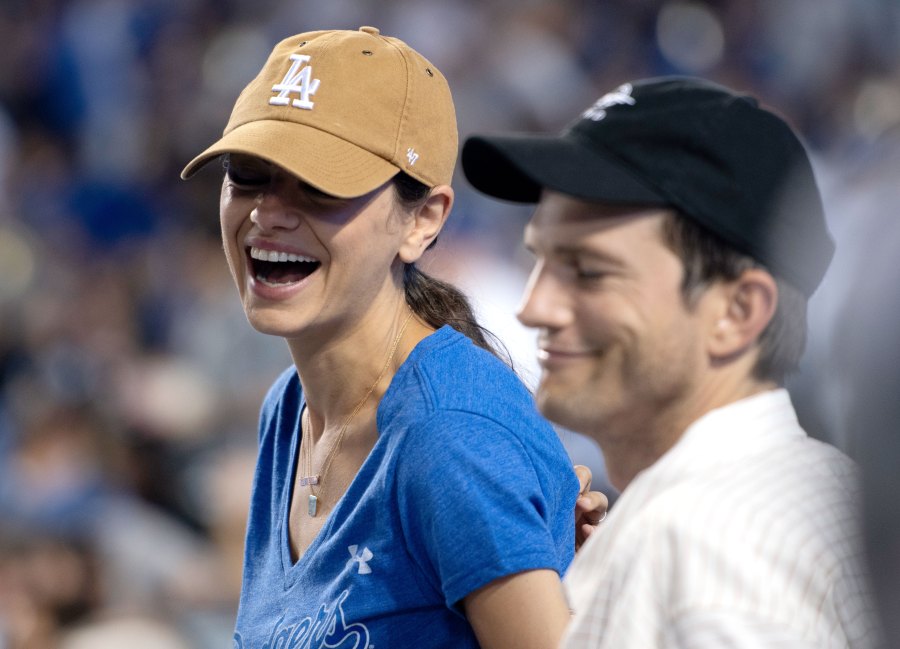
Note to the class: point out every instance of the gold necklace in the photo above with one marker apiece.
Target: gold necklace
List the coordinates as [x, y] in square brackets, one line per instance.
[312, 479]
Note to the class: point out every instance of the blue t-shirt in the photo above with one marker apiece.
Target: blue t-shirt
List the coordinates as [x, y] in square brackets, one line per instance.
[467, 483]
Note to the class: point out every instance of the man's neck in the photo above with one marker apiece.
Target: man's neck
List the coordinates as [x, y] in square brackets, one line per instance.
[628, 453]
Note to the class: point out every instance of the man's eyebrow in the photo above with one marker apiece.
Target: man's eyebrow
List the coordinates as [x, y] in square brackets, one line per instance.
[573, 250]
[584, 252]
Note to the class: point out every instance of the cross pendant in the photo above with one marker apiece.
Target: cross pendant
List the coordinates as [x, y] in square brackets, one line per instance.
[313, 505]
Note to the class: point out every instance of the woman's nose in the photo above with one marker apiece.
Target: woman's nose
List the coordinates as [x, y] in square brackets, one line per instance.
[273, 212]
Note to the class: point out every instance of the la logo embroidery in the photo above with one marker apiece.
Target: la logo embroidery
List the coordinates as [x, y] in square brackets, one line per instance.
[412, 156]
[619, 96]
[297, 80]
[362, 558]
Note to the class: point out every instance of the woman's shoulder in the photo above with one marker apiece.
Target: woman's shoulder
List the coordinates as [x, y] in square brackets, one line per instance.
[449, 378]
[450, 358]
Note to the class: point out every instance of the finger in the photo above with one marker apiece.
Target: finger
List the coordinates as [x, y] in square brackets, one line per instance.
[582, 533]
[584, 478]
[593, 518]
[592, 501]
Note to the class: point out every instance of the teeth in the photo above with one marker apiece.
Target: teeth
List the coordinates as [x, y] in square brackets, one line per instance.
[271, 255]
[268, 283]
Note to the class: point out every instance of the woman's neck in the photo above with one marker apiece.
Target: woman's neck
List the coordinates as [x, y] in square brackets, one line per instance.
[350, 371]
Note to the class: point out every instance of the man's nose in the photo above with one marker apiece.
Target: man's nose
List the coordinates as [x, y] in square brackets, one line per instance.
[545, 303]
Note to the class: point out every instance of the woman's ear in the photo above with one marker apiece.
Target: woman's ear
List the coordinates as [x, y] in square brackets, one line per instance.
[428, 219]
[746, 306]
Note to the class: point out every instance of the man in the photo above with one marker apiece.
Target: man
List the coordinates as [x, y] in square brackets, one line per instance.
[678, 234]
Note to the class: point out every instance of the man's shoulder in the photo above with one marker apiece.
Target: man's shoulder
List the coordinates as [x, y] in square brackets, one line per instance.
[737, 540]
[797, 501]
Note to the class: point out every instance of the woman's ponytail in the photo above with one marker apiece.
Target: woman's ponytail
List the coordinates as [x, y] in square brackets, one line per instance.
[435, 302]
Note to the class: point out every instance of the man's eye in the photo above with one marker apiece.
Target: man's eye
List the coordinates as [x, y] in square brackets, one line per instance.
[590, 274]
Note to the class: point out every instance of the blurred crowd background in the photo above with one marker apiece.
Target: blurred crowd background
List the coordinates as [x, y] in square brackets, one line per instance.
[129, 378]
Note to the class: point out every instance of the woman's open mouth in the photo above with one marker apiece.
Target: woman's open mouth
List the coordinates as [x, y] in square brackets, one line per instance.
[280, 268]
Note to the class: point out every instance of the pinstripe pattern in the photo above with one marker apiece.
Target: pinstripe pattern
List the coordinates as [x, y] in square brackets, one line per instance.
[745, 534]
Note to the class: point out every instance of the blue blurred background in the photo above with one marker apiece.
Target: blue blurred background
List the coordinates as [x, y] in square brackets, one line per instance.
[129, 378]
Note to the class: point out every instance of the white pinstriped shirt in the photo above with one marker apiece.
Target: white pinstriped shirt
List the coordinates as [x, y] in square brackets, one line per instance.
[745, 534]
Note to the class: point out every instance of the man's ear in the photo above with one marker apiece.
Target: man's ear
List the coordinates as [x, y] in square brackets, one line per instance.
[428, 219]
[745, 307]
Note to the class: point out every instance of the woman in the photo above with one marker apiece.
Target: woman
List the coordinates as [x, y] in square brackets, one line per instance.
[407, 494]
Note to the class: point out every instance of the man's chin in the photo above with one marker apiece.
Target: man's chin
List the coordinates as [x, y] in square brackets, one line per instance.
[559, 408]
[577, 407]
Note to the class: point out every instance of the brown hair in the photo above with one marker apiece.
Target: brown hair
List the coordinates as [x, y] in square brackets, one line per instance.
[707, 258]
[434, 301]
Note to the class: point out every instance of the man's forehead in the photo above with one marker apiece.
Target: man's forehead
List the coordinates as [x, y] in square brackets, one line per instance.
[556, 206]
[566, 216]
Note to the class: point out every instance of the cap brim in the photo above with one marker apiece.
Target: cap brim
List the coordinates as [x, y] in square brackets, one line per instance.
[320, 159]
[517, 167]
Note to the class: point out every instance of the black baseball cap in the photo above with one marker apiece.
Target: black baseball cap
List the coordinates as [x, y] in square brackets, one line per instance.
[713, 154]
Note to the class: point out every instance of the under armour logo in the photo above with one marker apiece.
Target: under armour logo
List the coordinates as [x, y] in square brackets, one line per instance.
[362, 558]
[297, 80]
[619, 96]
[412, 156]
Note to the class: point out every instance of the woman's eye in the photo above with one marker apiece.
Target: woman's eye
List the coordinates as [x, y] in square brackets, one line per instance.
[246, 177]
[319, 198]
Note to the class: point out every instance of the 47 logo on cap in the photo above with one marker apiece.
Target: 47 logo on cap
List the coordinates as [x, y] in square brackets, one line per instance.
[297, 80]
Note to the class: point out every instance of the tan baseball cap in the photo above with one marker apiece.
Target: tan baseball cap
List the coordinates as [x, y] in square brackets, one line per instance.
[345, 111]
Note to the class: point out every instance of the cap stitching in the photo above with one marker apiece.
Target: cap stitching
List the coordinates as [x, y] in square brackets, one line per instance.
[202, 159]
[401, 125]
[328, 39]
